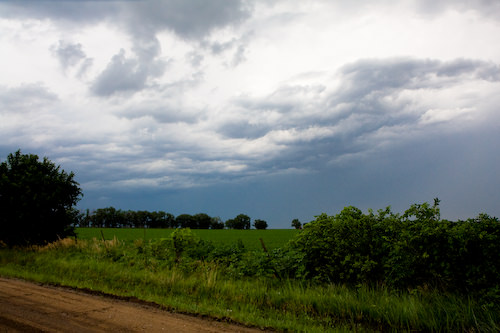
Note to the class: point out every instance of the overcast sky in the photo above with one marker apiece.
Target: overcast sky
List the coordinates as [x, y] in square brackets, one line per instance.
[275, 109]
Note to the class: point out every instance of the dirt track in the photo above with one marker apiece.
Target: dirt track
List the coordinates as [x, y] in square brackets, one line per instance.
[28, 307]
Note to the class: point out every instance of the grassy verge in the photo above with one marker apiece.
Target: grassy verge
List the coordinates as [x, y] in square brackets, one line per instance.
[203, 288]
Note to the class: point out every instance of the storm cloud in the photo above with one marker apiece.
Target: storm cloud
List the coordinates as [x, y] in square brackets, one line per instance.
[273, 109]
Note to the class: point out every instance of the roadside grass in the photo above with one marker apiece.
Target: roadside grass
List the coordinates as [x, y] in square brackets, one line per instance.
[197, 287]
[272, 238]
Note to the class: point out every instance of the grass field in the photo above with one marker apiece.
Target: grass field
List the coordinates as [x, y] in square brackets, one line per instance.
[193, 286]
[272, 238]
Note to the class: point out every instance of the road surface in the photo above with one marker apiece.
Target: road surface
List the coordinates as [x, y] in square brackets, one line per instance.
[29, 307]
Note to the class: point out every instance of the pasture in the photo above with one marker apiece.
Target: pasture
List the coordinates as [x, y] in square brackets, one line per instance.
[272, 238]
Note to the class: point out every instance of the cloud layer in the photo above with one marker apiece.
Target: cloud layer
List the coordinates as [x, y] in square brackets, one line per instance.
[176, 99]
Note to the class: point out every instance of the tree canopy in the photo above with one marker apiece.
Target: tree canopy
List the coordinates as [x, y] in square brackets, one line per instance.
[241, 221]
[260, 224]
[36, 200]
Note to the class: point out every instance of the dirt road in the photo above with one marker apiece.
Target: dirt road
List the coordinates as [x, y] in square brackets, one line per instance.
[28, 307]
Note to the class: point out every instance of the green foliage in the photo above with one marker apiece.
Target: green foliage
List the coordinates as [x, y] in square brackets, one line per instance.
[241, 221]
[116, 218]
[342, 248]
[260, 224]
[296, 224]
[36, 200]
[182, 239]
[216, 223]
[413, 251]
[110, 217]
[203, 221]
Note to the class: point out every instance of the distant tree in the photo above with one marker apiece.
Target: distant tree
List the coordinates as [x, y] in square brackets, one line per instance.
[107, 217]
[84, 220]
[260, 224]
[169, 220]
[241, 221]
[186, 221]
[216, 223]
[160, 219]
[230, 224]
[203, 221]
[36, 200]
[296, 224]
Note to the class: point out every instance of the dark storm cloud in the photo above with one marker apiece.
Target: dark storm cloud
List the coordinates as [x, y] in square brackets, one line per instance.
[366, 111]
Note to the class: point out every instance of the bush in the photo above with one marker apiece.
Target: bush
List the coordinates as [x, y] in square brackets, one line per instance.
[343, 248]
[415, 250]
[182, 240]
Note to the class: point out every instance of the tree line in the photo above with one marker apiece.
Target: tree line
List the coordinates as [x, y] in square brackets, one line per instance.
[111, 217]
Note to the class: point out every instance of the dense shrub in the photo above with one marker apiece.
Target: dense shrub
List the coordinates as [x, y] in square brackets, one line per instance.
[343, 248]
[415, 250]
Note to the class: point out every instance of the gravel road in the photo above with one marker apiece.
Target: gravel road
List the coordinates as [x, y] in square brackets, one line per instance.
[29, 307]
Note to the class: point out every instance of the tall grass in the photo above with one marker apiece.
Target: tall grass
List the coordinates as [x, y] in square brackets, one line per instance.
[125, 269]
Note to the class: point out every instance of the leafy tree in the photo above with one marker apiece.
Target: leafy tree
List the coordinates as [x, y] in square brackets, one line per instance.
[241, 221]
[84, 220]
[107, 217]
[296, 224]
[36, 200]
[186, 221]
[203, 221]
[161, 219]
[216, 223]
[260, 224]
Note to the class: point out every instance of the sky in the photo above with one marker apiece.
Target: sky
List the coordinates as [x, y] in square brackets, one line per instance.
[274, 109]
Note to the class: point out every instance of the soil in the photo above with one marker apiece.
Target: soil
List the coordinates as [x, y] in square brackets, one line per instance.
[30, 307]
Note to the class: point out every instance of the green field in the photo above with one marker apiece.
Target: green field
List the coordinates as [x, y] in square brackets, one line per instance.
[230, 291]
[272, 238]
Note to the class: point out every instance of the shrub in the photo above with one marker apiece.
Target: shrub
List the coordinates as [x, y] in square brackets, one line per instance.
[415, 250]
[343, 248]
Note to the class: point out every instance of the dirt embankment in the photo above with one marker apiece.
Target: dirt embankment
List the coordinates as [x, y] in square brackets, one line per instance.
[28, 307]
